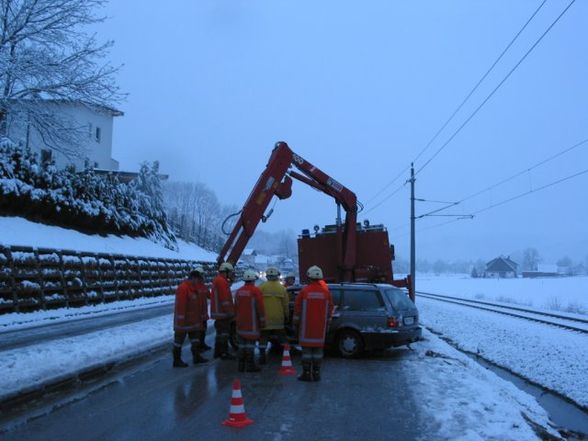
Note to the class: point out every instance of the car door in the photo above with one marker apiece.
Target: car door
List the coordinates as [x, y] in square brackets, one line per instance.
[336, 294]
[362, 309]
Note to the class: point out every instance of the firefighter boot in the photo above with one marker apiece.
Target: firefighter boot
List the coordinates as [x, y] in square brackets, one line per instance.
[203, 346]
[305, 376]
[178, 357]
[316, 370]
[197, 358]
[251, 366]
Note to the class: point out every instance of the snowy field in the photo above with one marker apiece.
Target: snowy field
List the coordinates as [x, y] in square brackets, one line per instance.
[19, 231]
[567, 294]
[553, 357]
[468, 402]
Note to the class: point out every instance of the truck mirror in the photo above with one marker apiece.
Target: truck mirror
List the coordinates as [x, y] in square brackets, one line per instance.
[392, 252]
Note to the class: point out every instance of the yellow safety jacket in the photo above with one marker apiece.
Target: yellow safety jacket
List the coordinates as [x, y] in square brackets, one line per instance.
[275, 300]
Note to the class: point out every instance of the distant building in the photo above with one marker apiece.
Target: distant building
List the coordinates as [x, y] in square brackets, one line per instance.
[543, 270]
[96, 123]
[501, 267]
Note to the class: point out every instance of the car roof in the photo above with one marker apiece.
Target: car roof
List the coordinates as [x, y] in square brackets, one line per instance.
[354, 285]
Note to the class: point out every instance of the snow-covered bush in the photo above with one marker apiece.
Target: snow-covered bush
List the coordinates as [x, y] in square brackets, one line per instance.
[83, 201]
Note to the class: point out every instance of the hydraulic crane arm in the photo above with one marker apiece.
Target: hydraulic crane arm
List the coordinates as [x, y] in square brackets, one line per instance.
[276, 180]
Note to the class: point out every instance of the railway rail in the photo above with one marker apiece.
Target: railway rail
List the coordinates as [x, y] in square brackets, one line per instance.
[571, 323]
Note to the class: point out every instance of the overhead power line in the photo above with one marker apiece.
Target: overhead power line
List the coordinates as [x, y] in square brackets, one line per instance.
[584, 142]
[385, 199]
[513, 198]
[471, 92]
[388, 185]
[491, 94]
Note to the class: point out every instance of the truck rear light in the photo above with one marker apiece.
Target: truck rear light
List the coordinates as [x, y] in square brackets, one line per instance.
[392, 322]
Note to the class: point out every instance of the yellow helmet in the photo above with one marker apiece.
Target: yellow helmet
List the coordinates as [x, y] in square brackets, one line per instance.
[249, 275]
[272, 271]
[226, 266]
[315, 273]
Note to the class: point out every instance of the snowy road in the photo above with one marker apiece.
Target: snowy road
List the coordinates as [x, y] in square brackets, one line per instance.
[431, 392]
[19, 338]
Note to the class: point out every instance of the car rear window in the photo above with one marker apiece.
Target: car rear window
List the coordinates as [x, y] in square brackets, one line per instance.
[336, 294]
[361, 300]
[399, 300]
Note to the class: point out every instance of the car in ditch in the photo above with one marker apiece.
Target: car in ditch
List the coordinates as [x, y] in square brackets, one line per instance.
[367, 317]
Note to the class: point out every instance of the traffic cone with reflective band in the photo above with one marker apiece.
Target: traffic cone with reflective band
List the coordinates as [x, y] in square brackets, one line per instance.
[287, 368]
[237, 416]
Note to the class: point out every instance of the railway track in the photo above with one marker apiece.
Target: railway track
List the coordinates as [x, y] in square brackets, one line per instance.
[562, 321]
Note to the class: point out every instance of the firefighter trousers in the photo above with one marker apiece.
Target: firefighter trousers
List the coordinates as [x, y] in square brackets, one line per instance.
[223, 331]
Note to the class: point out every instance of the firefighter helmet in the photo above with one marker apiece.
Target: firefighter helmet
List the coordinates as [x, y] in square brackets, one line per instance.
[315, 273]
[272, 271]
[198, 271]
[249, 275]
[226, 266]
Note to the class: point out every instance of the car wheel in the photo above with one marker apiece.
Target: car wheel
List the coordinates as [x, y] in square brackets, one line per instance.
[350, 343]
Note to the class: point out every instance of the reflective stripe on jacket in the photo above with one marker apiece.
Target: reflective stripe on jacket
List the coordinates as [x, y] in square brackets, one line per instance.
[275, 302]
[221, 299]
[313, 310]
[250, 311]
[190, 311]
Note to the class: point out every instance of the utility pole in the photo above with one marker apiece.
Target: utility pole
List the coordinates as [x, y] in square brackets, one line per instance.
[412, 236]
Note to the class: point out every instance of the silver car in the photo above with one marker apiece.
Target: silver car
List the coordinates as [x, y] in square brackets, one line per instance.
[369, 317]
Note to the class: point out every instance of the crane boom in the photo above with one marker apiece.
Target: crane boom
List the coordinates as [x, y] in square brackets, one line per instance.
[276, 180]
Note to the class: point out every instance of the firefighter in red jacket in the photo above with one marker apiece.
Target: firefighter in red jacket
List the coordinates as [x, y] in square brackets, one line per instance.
[190, 314]
[313, 310]
[222, 310]
[250, 314]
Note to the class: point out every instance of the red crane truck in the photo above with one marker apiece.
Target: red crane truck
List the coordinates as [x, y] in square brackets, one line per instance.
[346, 252]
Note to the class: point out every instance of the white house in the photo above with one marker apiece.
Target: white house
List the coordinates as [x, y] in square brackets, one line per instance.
[96, 126]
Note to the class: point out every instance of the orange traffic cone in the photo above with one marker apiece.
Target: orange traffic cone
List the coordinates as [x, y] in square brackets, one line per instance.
[287, 368]
[237, 416]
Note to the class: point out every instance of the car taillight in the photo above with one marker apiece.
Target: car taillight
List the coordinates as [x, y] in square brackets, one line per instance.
[392, 322]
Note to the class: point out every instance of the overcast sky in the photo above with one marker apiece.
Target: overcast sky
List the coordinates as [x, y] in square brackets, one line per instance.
[358, 89]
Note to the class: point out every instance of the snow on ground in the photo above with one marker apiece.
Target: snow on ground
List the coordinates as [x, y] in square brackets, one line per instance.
[19, 231]
[553, 357]
[467, 402]
[568, 294]
[16, 320]
[36, 364]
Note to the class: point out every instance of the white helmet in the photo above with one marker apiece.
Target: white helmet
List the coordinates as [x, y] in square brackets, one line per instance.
[272, 271]
[198, 270]
[315, 273]
[249, 275]
[226, 266]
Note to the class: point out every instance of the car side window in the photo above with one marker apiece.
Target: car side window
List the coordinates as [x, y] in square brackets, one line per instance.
[362, 300]
[336, 294]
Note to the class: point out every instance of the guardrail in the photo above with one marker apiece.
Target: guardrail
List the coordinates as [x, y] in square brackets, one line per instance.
[44, 278]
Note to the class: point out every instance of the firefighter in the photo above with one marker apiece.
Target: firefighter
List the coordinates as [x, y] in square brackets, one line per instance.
[250, 314]
[275, 301]
[222, 310]
[313, 311]
[289, 280]
[190, 313]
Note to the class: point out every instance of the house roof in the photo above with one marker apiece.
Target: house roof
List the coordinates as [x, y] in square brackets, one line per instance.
[98, 107]
[502, 264]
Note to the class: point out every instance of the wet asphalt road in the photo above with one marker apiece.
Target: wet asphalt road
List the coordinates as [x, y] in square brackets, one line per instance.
[368, 399]
[51, 331]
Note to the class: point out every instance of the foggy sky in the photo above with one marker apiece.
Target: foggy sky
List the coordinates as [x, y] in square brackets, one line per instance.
[358, 89]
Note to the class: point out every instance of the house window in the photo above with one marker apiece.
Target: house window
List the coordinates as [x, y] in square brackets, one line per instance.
[90, 133]
[98, 134]
[46, 156]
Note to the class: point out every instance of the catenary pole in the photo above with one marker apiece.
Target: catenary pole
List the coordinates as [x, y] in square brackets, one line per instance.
[412, 236]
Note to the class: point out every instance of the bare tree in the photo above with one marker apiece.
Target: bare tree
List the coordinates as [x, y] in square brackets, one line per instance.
[47, 58]
[531, 259]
